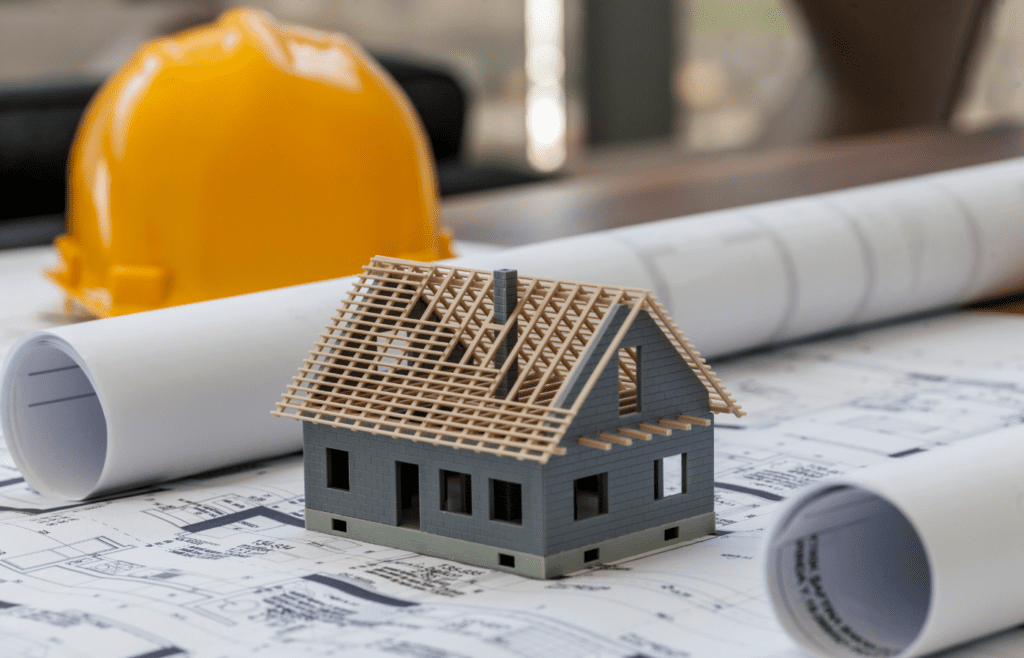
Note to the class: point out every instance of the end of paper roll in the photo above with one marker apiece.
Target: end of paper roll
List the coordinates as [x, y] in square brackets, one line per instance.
[847, 575]
[52, 417]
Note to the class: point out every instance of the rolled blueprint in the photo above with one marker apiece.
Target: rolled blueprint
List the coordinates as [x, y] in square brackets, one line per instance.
[127, 401]
[906, 558]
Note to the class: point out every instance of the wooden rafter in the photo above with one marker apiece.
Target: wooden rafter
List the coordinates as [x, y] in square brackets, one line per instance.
[410, 354]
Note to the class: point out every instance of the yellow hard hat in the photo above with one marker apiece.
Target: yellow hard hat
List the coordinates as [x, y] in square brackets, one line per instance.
[242, 156]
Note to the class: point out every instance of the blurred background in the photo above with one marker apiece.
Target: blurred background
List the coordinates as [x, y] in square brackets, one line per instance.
[563, 87]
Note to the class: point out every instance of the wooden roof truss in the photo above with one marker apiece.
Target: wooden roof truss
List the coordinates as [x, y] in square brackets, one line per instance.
[411, 353]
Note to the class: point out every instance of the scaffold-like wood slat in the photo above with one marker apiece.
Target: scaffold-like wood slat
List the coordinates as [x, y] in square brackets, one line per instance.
[410, 354]
[615, 438]
[655, 429]
[644, 431]
[636, 434]
[693, 419]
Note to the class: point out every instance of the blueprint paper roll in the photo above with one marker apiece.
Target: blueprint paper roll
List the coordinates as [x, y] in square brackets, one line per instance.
[127, 401]
[906, 558]
[123, 402]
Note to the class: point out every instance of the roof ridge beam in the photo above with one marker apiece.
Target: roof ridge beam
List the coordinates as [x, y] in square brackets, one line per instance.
[611, 349]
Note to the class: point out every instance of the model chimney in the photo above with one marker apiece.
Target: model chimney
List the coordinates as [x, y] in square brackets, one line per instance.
[506, 297]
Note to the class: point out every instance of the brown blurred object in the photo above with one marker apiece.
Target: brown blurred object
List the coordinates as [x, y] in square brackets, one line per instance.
[648, 185]
[894, 63]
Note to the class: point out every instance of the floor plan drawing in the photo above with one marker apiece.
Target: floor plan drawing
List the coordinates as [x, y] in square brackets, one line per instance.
[220, 565]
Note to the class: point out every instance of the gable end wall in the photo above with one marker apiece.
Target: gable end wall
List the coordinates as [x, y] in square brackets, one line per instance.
[668, 387]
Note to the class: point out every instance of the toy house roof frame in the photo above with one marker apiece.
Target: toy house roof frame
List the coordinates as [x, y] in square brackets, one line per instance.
[421, 352]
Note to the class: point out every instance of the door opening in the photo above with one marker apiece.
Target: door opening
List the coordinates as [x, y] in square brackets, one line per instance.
[407, 485]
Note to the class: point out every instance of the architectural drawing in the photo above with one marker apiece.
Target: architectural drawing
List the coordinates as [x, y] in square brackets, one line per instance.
[220, 565]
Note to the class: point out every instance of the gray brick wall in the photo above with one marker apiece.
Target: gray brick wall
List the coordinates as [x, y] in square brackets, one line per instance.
[371, 494]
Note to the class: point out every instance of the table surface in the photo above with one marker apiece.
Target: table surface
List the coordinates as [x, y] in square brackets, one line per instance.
[642, 185]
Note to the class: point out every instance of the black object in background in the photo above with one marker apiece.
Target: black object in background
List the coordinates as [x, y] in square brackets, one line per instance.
[442, 103]
[36, 129]
[37, 126]
[629, 58]
[439, 99]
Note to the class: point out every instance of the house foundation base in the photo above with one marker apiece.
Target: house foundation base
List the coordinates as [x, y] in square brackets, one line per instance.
[523, 564]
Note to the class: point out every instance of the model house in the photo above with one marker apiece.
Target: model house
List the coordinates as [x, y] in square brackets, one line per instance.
[523, 424]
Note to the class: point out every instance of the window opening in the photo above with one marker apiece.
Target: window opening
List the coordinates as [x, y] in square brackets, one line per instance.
[670, 476]
[591, 496]
[629, 380]
[337, 469]
[506, 501]
[456, 492]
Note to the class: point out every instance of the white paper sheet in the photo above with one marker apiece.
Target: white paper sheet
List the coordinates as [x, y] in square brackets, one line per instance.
[905, 558]
[117, 403]
[220, 565]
